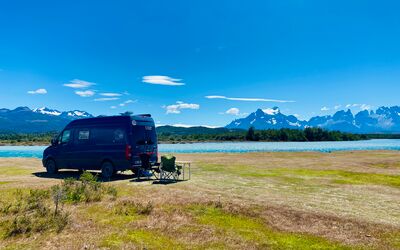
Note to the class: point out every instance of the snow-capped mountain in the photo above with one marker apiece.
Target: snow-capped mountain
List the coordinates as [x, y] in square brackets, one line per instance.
[267, 119]
[383, 120]
[26, 120]
[67, 114]
[47, 111]
[76, 114]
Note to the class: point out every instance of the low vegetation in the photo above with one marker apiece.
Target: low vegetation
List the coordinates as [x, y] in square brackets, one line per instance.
[31, 213]
[41, 210]
[9, 138]
[340, 200]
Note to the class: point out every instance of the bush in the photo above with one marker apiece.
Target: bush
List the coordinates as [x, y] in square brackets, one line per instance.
[31, 213]
[86, 189]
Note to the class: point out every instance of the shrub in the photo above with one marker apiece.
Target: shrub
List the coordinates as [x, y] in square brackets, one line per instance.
[31, 213]
[86, 189]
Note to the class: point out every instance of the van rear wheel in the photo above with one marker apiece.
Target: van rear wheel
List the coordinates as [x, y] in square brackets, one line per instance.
[51, 167]
[107, 170]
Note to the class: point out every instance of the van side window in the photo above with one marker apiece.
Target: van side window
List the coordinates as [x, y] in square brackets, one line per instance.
[109, 136]
[66, 136]
[82, 136]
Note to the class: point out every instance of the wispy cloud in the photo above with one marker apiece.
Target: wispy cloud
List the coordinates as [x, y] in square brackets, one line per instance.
[162, 80]
[337, 107]
[189, 125]
[176, 108]
[113, 107]
[127, 102]
[85, 93]
[233, 111]
[79, 84]
[105, 99]
[325, 109]
[245, 99]
[37, 92]
[108, 94]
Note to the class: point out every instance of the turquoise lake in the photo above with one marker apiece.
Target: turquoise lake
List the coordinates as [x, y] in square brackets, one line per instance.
[235, 147]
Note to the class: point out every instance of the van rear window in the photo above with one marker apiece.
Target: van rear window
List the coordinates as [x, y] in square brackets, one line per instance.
[144, 135]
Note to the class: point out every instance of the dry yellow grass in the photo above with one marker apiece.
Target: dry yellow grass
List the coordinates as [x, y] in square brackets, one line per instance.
[269, 200]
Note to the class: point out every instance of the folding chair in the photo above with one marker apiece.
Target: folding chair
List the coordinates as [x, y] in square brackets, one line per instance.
[169, 171]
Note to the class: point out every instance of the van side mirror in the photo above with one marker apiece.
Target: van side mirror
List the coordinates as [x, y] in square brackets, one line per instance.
[54, 141]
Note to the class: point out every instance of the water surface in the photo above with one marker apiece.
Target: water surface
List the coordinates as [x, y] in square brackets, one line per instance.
[235, 147]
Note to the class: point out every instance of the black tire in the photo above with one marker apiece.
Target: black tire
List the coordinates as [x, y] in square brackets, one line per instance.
[107, 170]
[51, 167]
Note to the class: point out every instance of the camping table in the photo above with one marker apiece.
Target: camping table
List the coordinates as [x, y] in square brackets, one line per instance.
[184, 164]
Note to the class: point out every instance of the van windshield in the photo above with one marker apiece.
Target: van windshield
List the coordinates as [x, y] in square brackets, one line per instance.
[144, 135]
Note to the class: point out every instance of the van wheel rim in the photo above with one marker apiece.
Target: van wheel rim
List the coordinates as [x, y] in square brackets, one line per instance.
[51, 167]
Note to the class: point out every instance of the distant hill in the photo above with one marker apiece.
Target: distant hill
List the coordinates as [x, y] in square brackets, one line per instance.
[383, 120]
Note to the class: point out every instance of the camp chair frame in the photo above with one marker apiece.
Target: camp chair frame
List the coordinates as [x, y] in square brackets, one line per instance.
[170, 175]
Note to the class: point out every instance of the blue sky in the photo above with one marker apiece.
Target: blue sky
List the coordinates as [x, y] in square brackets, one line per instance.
[166, 57]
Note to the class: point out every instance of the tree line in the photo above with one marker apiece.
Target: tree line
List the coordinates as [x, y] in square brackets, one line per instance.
[308, 134]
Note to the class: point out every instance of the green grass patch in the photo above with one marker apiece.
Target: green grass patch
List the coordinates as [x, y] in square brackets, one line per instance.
[300, 175]
[123, 212]
[255, 232]
[105, 215]
[141, 239]
[15, 171]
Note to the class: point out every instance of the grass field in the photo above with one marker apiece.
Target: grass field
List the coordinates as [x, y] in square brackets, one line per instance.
[341, 200]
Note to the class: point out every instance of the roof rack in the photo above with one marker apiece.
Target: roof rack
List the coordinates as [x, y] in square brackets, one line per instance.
[144, 115]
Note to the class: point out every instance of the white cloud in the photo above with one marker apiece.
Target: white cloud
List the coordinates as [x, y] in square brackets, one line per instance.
[324, 109]
[245, 99]
[113, 107]
[337, 107]
[110, 94]
[162, 80]
[233, 111]
[104, 99]
[127, 102]
[176, 108]
[38, 91]
[79, 84]
[360, 106]
[85, 93]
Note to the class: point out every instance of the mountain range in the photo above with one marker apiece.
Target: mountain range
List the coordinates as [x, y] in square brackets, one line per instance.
[382, 120]
[26, 120]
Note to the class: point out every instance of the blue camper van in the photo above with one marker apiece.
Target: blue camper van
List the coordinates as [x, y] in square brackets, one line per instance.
[109, 144]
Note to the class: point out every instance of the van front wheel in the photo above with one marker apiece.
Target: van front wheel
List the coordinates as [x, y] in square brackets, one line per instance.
[107, 170]
[51, 167]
